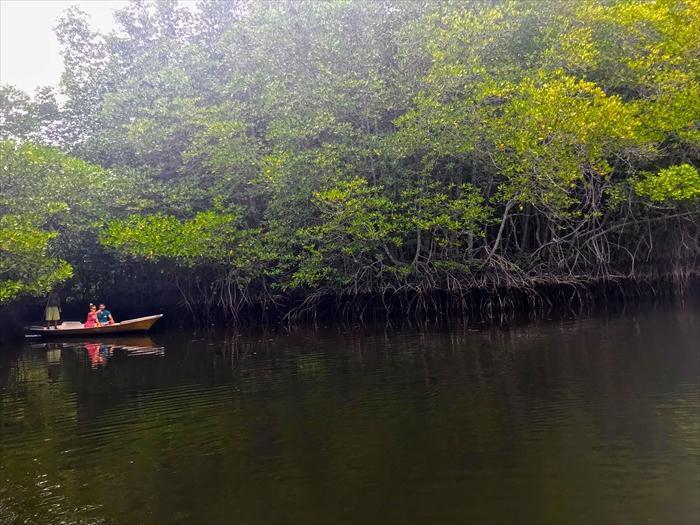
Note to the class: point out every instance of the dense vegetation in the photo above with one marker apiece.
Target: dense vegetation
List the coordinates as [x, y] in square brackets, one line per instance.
[271, 155]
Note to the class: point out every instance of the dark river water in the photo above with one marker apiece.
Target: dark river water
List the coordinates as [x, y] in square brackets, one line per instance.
[588, 421]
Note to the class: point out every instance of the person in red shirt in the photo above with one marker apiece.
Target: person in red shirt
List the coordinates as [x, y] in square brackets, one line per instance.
[91, 320]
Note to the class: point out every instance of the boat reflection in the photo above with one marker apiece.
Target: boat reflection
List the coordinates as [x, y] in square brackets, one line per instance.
[98, 353]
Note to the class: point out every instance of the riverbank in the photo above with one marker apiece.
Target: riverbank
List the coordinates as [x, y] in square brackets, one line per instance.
[495, 306]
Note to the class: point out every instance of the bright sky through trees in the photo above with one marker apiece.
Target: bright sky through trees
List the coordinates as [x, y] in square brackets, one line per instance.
[28, 25]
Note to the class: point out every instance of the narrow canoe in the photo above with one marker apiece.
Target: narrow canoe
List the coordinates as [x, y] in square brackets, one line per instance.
[141, 324]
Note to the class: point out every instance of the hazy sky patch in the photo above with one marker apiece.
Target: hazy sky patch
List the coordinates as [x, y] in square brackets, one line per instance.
[29, 51]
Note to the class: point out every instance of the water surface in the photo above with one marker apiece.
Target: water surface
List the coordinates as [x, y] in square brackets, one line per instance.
[590, 421]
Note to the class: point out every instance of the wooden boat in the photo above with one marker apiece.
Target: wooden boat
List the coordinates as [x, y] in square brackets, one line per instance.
[141, 324]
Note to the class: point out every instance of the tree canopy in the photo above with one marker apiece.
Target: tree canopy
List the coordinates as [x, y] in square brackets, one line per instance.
[274, 153]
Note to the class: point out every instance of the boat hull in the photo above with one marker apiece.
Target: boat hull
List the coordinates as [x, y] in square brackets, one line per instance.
[141, 324]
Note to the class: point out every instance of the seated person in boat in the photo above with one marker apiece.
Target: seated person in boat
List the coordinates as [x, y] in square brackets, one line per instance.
[104, 316]
[52, 313]
[91, 321]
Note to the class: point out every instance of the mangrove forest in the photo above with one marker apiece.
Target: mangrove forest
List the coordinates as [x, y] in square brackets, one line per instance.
[252, 160]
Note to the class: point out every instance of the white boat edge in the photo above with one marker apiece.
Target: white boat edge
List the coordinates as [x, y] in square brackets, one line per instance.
[139, 324]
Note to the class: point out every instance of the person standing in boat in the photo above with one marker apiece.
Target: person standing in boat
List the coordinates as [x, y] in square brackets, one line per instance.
[104, 316]
[91, 321]
[52, 313]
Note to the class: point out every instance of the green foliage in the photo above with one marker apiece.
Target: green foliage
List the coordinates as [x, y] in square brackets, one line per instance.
[212, 240]
[306, 147]
[50, 207]
[208, 238]
[360, 225]
[26, 267]
[24, 117]
[57, 188]
[676, 183]
[553, 132]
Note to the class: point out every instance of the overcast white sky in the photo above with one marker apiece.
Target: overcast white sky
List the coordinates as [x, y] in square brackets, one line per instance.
[29, 54]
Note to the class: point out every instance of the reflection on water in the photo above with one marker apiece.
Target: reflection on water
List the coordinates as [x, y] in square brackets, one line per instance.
[99, 352]
[592, 421]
